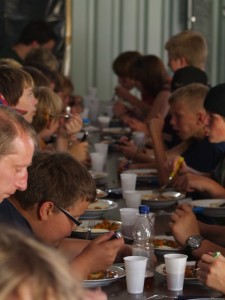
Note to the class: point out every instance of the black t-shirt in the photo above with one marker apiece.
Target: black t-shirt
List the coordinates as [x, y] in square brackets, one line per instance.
[10, 216]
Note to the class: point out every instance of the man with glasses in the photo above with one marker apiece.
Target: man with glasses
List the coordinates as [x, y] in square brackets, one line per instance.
[58, 192]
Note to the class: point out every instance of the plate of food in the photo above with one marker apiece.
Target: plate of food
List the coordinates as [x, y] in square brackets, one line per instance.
[98, 208]
[98, 227]
[164, 244]
[101, 193]
[190, 272]
[155, 199]
[104, 277]
[210, 207]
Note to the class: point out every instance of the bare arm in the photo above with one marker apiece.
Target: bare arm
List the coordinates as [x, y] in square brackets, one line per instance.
[184, 224]
[160, 105]
[86, 257]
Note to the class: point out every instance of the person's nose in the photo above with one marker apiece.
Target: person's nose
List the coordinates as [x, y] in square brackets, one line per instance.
[35, 101]
[21, 183]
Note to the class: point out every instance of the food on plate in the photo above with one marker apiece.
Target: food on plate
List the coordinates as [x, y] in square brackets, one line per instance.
[103, 274]
[105, 224]
[157, 196]
[190, 271]
[98, 205]
[165, 243]
[100, 193]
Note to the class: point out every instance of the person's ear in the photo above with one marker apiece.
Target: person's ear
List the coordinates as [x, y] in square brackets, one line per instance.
[45, 210]
[183, 62]
[201, 118]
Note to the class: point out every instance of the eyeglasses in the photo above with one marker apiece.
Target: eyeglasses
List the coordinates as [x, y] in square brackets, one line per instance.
[74, 220]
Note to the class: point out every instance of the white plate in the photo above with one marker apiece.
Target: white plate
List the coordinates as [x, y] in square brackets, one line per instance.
[100, 282]
[149, 197]
[81, 231]
[165, 249]
[101, 193]
[210, 207]
[116, 130]
[99, 175]
[143, 172]
[160, 268]
[98, 208]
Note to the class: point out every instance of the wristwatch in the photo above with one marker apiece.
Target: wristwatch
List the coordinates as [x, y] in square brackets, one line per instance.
[194, 242]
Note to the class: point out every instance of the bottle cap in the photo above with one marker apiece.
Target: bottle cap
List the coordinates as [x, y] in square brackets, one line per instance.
[144, 209]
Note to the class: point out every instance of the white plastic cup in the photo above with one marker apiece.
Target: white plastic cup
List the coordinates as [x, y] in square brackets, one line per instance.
[128, 218]
[128, 182]
[139, 138]
[175, 270]
[97, 161]
[135, 267]
[103, 121]
[103, 149]
[132, 198]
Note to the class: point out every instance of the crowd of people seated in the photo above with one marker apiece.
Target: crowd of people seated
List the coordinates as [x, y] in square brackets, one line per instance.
[45, 182]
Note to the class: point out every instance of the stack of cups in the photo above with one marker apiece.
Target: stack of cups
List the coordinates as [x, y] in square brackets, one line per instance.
[128, 182]
[102, 148]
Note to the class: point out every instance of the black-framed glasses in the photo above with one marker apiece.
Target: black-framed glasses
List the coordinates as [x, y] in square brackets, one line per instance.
[74, 220]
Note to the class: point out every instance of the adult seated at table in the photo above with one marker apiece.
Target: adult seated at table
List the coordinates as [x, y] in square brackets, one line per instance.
[59, 190]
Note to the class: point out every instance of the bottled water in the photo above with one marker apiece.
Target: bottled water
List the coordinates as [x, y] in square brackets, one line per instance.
[143, 233]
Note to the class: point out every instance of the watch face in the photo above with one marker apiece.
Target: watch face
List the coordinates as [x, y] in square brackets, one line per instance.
[194, 241]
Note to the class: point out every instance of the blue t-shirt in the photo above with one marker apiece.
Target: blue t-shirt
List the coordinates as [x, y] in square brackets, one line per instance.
[10, 216]
[204, 156]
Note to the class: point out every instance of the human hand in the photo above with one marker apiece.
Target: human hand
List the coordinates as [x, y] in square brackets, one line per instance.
[96, 294]
[183, 224]
[123, 93]
[80, 151]
[73, 125]
[212, 271]
[119, 109]
[190, 183]
[129, 149]
[101, 252]
[136, 125]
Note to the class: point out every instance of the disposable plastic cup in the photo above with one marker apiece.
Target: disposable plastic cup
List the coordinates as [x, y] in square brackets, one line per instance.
[103, 121]
[103, 149]
[132, 198]
[135, 267]
[139, 138]
[97, 162]
[128, 217]
[175, 269]
[128, 182]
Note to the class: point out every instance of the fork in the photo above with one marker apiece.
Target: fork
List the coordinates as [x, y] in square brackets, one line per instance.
[91, 224]
[172, 174]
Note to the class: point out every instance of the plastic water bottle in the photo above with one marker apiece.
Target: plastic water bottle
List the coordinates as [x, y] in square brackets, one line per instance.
[143, 233]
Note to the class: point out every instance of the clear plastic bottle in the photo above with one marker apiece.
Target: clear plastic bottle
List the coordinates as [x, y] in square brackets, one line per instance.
[143, 233]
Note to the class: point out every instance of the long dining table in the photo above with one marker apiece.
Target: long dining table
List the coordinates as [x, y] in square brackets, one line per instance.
[155, 285]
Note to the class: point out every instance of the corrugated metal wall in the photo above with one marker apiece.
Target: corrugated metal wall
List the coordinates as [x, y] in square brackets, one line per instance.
[104, 28]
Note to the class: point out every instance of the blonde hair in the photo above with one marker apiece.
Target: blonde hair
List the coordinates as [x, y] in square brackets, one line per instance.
[49, 105]
[188, 44]
[26, 262]
[10, 62]
[192, 94]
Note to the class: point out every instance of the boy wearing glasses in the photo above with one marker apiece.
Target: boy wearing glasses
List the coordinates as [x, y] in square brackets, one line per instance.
[58, 192]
